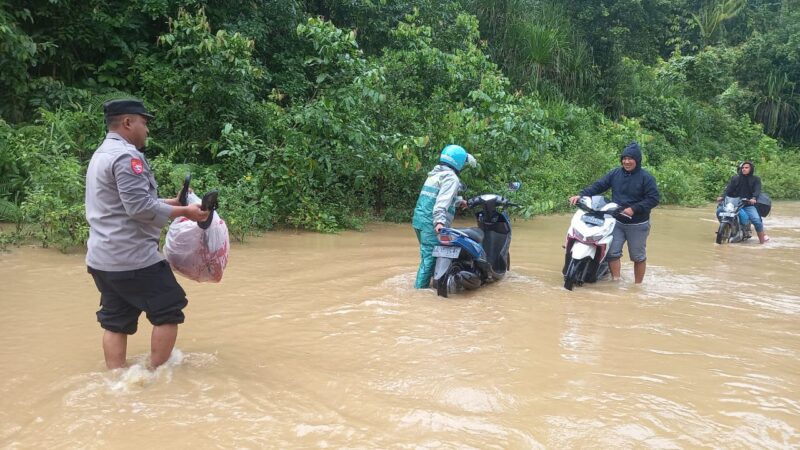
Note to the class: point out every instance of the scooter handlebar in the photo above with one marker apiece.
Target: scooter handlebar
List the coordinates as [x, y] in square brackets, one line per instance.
[617, 213]
[580, 205]
[477, 201]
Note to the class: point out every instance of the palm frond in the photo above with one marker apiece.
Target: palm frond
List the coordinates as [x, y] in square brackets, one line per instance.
[9, 212]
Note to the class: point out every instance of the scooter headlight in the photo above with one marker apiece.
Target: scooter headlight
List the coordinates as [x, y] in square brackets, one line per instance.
[729, 207]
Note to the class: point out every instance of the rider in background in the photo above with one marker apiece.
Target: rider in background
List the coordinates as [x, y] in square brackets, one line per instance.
[747, 186]
[436, 206]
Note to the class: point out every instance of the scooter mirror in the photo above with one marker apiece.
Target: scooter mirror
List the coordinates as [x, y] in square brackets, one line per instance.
[514, 185]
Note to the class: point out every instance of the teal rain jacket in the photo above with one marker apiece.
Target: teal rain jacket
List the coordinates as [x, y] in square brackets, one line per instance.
[438, 198]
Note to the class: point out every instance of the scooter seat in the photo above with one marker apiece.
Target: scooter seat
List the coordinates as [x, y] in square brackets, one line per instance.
[476, 234]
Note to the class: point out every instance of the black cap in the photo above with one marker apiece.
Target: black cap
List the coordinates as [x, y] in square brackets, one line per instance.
[125, 106]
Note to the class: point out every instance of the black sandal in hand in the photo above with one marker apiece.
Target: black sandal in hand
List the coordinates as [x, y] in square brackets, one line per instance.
[209, 204]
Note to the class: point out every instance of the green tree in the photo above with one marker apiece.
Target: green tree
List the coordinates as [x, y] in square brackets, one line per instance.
[18, 53]
[771, 69]
[198, 81]
[712, 17]
[538, 48]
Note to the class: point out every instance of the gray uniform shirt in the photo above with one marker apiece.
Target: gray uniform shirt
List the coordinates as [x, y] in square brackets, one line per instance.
[124, 212]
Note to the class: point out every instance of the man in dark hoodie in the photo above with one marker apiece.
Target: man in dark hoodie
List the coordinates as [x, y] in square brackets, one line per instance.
[635, 191]
[747, 186]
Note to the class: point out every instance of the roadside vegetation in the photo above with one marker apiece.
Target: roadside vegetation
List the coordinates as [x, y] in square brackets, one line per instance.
[324, 115]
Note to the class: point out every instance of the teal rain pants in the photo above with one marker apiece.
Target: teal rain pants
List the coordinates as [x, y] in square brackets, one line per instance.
[427, 240]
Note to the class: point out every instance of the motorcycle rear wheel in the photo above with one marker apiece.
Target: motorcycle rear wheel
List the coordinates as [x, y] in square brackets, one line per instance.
[442, 288]
[724, 233]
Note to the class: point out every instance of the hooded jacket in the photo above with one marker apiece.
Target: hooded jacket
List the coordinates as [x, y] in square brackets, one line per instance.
[636, 189]
[744, 186]
[437, 199]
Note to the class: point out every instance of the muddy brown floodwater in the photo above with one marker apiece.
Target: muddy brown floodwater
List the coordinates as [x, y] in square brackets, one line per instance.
[319, 341]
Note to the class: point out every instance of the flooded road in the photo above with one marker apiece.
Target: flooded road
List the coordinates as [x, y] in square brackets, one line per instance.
[319, 341]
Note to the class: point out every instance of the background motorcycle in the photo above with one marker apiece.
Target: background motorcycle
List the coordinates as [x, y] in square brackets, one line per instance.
[731, 229]
[729, 215]
[471, 257]
[588, 240]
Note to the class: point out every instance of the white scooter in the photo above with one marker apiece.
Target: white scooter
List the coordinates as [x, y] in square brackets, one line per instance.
[588, 240]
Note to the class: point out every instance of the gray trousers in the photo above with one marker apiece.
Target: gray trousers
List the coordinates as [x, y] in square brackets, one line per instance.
[636, 236]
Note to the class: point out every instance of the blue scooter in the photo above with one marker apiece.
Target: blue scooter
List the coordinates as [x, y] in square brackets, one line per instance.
[468, 258]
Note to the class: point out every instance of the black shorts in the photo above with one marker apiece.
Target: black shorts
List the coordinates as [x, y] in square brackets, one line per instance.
[124, 295]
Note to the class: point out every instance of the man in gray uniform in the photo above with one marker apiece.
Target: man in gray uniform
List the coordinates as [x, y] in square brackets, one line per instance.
[125, 219]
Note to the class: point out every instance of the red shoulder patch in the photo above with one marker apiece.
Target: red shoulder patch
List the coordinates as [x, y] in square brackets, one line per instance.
[137, 166]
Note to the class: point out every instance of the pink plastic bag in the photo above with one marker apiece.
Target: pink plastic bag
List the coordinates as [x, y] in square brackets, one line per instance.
[198, 254]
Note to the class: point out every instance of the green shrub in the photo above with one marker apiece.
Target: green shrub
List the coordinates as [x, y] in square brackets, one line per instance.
[679, 183]
[780, 177]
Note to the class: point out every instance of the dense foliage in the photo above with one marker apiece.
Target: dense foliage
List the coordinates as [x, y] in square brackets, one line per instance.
[326, 114]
